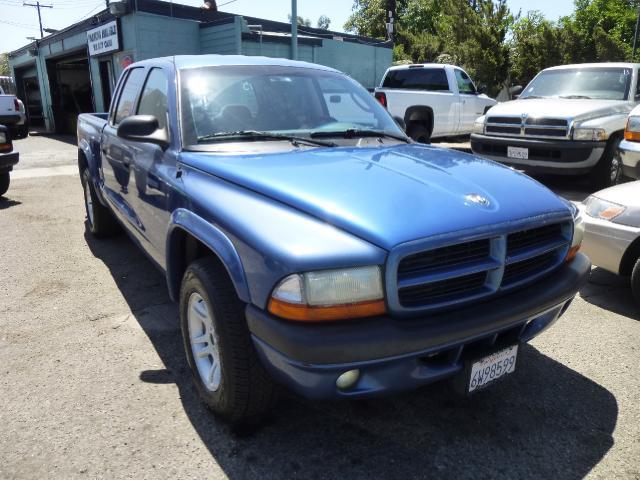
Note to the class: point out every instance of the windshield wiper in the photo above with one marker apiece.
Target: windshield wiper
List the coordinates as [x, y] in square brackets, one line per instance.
[357, 133]
[258, 135]
[575, 96]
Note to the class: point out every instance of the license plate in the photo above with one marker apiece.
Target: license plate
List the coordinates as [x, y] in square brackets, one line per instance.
[517, 152]
[491, 368]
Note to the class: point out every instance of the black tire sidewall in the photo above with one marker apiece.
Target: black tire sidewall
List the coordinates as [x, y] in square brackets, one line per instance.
[600, 176]
[418, 133]
[195, 281]
[5, 180]
[635, 281]
[86, 184]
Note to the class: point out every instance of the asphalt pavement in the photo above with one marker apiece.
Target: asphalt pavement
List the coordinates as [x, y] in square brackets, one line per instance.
[94, 383]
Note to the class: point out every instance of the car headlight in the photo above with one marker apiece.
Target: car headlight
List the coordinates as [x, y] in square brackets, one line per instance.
[598, 208]
[632, 130]
[590, 134]
[329, 295]
[478, 125]
[578, 232]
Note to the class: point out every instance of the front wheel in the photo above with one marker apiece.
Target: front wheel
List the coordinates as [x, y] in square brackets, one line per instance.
[635, 281]
[419, 132]
[226, 370]
[608, 171]
[4, 183]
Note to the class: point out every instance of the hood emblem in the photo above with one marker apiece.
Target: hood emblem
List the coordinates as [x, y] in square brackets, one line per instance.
[477, 199]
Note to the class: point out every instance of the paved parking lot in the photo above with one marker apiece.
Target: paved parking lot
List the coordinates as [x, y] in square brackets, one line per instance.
[94, 384]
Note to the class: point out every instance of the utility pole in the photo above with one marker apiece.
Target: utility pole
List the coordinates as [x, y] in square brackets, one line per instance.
[635, 36]
[294, 29]
[38, 6]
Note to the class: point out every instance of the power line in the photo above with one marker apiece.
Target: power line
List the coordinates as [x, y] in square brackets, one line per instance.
[38, 6]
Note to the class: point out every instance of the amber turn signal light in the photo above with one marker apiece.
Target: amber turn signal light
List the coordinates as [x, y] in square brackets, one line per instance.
[307, 313]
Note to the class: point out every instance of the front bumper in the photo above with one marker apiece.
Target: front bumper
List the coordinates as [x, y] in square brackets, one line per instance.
[630, 155]
[7, 161]
[400, 354]
[606, 242]
[565, 157]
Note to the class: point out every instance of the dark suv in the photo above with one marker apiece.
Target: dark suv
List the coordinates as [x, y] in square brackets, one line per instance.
[8, 158]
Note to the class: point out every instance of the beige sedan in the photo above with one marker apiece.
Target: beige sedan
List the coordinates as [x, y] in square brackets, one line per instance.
[612, 231]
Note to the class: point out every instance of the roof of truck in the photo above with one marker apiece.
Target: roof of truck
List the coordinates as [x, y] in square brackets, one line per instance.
[192, 61]
[597, 65]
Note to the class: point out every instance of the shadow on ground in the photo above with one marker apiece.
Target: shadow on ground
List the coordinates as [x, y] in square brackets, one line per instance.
[8, 203]
[547, 421]
[611, 292]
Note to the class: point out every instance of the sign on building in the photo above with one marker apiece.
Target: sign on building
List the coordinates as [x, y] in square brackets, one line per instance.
[103, 39]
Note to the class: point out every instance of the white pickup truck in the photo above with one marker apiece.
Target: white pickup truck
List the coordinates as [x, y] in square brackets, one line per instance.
[569, 120]
[433, 100]
[12, 113]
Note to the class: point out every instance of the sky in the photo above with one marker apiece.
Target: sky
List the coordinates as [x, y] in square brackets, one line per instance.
[17, 22]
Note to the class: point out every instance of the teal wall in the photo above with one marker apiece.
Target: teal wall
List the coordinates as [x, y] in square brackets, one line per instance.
[159, 36]
[277, 50]
[222, 39]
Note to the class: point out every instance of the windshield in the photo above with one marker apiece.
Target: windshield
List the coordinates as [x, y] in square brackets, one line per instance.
[590, 83]
[300, 102]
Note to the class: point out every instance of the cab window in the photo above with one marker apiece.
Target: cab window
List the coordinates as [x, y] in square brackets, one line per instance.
[154, 97]
[127, 101]
[465, 85]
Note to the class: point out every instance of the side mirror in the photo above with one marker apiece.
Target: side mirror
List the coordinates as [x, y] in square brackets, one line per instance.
[515, 91]
[400, 123]
[143, 128]
[481, 89]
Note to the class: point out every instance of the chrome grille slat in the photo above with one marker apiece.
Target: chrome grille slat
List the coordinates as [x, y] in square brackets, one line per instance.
[528, 127]
[456, 274]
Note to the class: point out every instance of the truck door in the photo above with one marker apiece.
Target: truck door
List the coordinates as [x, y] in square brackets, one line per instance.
[470, 107]
[118, 154]
[153, 168]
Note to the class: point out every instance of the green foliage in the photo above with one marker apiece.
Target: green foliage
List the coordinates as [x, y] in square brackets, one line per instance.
[324, 22]
[4, 65]
[302, 22]
[494, 45]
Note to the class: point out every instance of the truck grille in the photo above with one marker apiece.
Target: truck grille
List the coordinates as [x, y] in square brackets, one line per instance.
[456, 274]
[528, 127]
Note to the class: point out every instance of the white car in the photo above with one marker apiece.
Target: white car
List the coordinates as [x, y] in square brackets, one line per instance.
[628, 154]
[569, 120]
[12, 111]
[433, 100]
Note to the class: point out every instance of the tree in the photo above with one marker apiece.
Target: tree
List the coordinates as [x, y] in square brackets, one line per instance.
[324, 22]
[4, 65]
[301, 21]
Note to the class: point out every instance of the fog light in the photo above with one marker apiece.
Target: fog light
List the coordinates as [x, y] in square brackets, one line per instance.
[348, 379]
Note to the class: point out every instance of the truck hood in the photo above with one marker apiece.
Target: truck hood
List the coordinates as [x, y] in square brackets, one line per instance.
[575, 109]
[387, 195]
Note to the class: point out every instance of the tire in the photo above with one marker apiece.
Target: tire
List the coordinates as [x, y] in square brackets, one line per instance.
[608, 170]
[23, 132]
[635, 282]
[238, 390]
[4, 183]
[419, 132]
[100, 221]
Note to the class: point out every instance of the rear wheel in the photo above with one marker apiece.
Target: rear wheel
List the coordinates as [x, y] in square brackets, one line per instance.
[100, 220]
[226, 370]
[635, 281]
[419, 132]
[608, 171]
[4, 183]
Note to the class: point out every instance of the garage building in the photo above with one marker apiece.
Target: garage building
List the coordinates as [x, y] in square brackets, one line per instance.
[75, 70]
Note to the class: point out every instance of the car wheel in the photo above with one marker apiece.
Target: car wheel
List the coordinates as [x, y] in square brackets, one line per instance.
[419, 132]
[100, 221]
[224, 363]
[608, 171]
[635, 281]
[4, 183]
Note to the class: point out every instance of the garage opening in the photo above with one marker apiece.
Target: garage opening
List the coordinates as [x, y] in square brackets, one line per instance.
[71, 92]
[28, 90]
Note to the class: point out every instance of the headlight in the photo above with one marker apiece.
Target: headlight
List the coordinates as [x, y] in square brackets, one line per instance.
[3, 137]
[598, 208]
[632, 130]
[329, 295]
[590, 134]
[478, 125]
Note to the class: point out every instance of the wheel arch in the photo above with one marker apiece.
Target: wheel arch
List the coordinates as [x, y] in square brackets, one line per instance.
[420, 114]
[191, 237]
[629, 258]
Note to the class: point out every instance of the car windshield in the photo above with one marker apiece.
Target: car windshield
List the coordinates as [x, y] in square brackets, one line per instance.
[586, 83]
[238, 103]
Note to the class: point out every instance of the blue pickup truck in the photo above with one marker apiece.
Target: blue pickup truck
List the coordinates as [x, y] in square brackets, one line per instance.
[311, 244]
